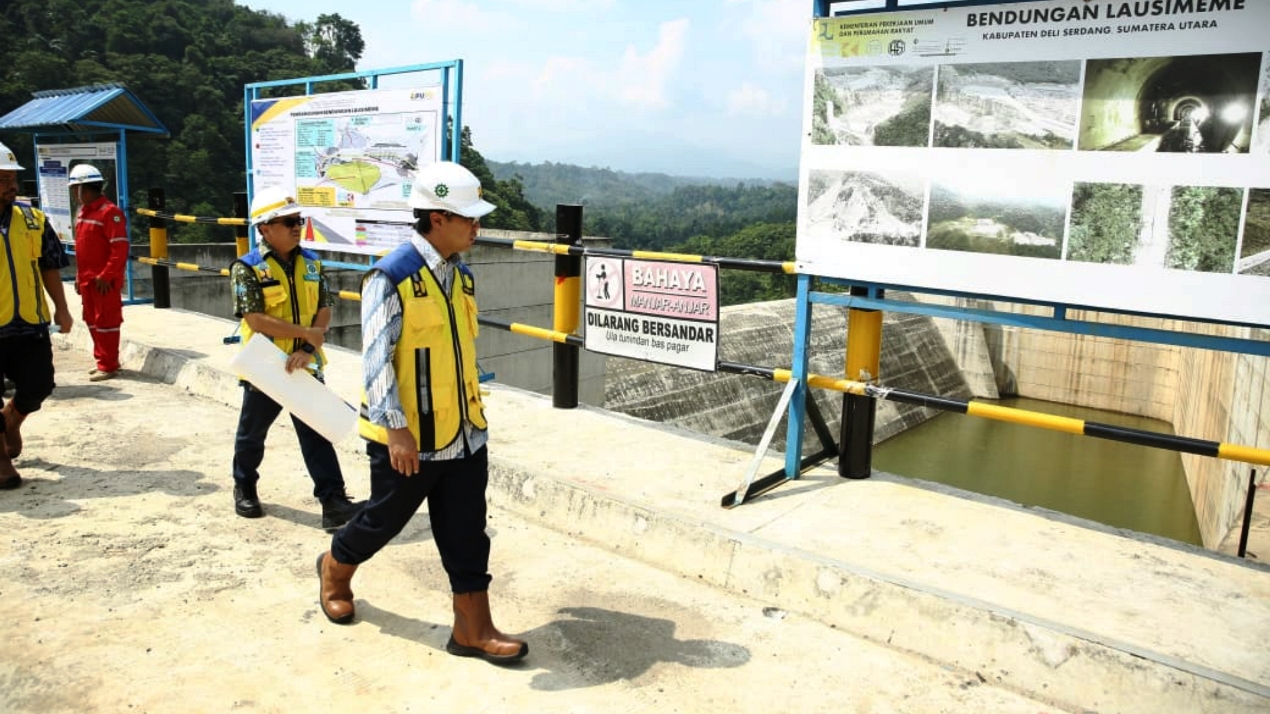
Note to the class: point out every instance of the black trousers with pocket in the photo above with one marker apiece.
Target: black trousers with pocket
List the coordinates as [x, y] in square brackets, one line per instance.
[455, 492]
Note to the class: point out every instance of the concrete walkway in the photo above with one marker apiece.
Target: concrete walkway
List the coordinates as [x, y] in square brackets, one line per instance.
[1074, 615]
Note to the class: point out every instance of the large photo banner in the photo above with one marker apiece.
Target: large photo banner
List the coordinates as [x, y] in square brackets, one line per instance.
[1110, 155]
[350, 158]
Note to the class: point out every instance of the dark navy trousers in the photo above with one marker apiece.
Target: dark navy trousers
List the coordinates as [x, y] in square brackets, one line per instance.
[258, 414]
[455, 491]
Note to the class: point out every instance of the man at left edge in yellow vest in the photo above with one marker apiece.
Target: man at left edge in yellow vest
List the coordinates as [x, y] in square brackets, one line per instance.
[280, 291]
[30, 265]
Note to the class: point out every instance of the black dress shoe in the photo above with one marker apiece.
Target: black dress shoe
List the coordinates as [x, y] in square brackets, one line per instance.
[246, 503]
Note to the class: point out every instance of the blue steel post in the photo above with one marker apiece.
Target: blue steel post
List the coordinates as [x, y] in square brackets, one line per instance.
[121, 194]
[798, 402]
[457, 138]
[568, 298]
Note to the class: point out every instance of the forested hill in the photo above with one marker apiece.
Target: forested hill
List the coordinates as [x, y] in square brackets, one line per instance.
[672, 213]
[651, 211]
[549, 183]
[188, 60]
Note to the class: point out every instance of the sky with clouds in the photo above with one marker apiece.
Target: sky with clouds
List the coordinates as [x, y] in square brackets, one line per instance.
[688, 87]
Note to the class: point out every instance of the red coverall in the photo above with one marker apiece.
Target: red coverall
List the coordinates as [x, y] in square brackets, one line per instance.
[101, 251]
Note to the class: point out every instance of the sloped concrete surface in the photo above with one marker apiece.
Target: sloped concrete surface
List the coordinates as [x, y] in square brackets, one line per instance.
[1071, 615]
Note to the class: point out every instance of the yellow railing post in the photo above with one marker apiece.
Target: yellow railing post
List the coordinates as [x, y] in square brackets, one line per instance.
[863, 360]
[159, 250]
[568, 298]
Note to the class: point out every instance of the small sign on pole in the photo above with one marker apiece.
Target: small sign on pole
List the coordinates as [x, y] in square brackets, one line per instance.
[655, 311]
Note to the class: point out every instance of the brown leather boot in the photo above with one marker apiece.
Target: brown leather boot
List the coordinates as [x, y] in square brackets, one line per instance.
[9, 477]
[12, 425]
[335, 594]
[474, 633]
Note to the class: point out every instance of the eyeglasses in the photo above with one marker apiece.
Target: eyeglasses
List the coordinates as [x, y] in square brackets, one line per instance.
[465, 219]
[288, 221]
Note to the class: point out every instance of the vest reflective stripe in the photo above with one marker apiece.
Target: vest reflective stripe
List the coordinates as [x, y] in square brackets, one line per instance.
[21, 285]
[297, 304]
[435, 359]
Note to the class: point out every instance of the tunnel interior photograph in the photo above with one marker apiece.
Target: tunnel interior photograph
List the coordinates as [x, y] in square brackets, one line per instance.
[1193, 104]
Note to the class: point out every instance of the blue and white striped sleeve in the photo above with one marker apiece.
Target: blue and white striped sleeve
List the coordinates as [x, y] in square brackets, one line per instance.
[381, 329]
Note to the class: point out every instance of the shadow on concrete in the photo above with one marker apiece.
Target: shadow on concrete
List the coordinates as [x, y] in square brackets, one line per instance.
[596, 646]
[591, 648]
[98, 391]
[43, 498]
[432, 634]
[799, 487]
[416, 531]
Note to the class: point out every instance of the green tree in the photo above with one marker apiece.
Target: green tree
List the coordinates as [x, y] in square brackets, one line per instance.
[187, 61]
[515, 212]
[334, 43]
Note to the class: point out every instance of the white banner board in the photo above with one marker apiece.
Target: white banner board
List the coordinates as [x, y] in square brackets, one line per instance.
[1110, 155]
[55, 164]
[350, 157]
[654, 311]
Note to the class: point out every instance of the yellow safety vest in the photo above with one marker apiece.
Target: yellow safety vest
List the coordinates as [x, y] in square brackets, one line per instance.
[435, 359]
[290, 301]
[21, 287]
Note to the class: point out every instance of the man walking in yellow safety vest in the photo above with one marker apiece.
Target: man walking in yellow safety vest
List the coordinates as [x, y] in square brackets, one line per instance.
[30, 265]
[422, 414]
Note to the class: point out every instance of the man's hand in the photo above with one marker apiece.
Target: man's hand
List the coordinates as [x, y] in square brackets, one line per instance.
[403, 453]
[298, 360]
[102, 285]
[63, 320]
[315, 336]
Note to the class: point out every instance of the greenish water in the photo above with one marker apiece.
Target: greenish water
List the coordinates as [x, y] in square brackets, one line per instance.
[1121, 485]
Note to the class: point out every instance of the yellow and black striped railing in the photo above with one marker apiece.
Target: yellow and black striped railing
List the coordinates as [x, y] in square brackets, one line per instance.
[180, 266]
[1041, 420]
[765, 266]
[192, 267]
[182, 218]
[1082, 427]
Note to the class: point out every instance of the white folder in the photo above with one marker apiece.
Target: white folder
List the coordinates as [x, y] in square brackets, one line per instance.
[312, 402]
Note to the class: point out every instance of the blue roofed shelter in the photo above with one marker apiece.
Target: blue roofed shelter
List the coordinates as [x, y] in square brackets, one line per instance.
[87, 124]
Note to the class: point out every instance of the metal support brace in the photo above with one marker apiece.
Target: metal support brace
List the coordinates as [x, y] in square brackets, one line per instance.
[781, 406]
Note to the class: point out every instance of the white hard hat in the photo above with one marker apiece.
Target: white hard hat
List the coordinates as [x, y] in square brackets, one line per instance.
[447, 186]
[84, 173]
[273, 202]
[8, 161]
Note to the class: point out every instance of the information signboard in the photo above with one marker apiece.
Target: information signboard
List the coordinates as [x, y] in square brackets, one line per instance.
[350, 157]
[1111, 155]
[55, 164]
[654, 311]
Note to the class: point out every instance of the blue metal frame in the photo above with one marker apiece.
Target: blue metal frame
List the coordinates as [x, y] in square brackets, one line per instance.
[451, 103]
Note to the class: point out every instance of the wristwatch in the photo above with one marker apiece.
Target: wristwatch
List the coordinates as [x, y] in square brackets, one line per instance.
[308, 348]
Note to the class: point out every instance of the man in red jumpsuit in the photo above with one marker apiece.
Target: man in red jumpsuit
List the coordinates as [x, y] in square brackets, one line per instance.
[101, 255]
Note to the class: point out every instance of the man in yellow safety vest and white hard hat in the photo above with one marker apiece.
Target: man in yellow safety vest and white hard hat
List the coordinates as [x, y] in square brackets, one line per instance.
[30, 265]
[281, 292]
